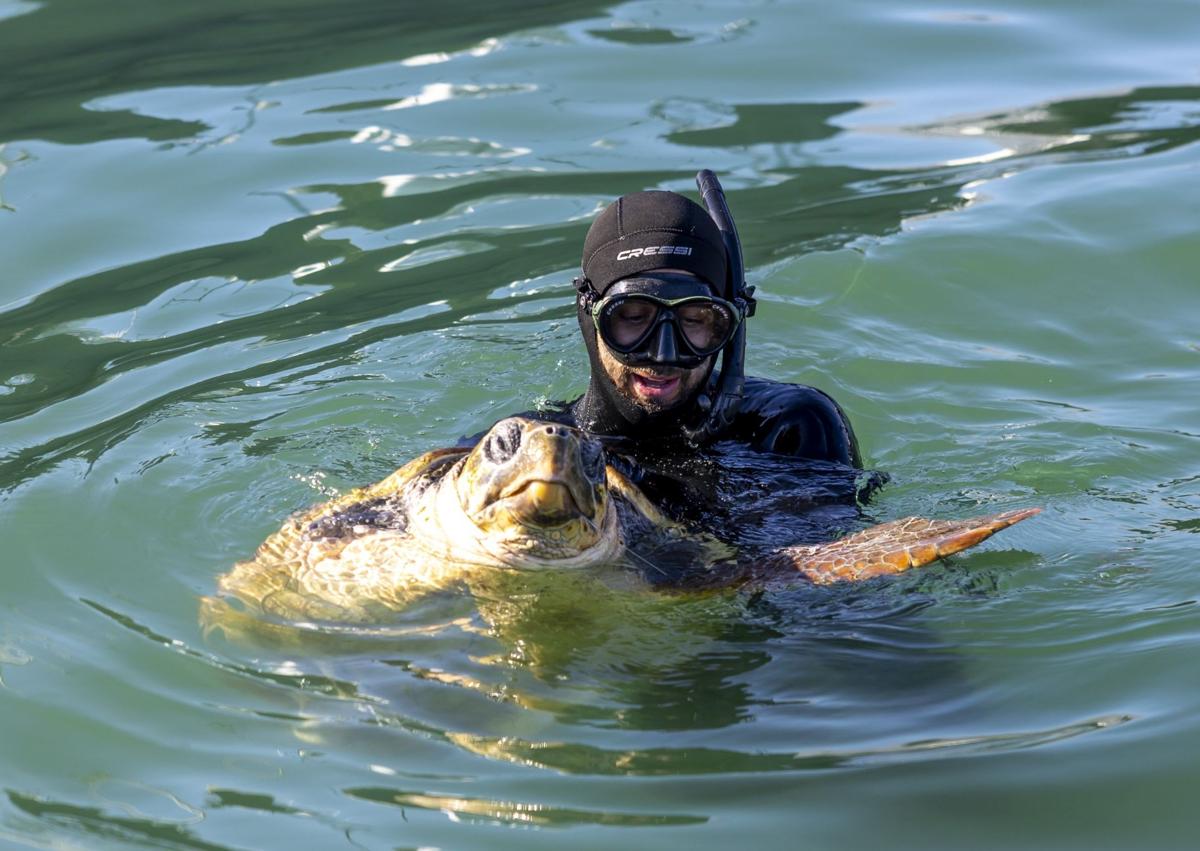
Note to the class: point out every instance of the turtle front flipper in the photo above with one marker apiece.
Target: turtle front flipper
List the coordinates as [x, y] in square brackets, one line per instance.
[895, 547]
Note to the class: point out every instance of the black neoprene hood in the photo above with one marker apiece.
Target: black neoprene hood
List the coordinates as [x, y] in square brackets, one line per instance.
[654, 230]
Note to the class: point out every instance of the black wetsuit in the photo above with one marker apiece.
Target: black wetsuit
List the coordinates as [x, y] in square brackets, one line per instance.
[794, 419]
[775, 416]
[793, 433]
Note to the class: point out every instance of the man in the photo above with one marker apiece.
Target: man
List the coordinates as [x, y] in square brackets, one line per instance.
[660, 297]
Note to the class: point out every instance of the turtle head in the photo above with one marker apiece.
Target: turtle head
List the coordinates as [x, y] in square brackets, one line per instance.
[539, 488]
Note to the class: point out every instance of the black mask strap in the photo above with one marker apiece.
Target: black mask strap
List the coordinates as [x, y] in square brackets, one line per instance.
[587, 293]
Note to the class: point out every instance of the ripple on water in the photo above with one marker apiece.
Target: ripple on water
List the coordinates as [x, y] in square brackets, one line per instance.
[243, 278]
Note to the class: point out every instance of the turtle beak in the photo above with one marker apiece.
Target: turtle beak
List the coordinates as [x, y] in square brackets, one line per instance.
[548, 502]
[557, 485]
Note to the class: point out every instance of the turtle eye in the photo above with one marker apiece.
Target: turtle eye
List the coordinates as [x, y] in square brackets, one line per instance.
[502, 442]
[592, 456]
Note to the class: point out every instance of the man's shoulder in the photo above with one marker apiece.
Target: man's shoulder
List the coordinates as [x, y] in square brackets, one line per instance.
[783, 394]
[795, 419]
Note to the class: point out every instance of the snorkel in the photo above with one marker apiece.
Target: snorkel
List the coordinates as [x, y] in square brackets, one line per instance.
[722, 398]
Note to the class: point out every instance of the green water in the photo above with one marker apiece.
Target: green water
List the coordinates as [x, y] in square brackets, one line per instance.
[256, 254]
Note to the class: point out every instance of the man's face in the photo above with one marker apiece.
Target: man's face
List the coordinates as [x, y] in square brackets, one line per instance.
[656, 388]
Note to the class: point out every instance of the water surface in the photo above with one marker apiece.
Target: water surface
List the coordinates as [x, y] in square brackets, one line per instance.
[255, 257]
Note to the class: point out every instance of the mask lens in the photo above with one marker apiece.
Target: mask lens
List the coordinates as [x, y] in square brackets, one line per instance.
[705, 324]
[627, 321]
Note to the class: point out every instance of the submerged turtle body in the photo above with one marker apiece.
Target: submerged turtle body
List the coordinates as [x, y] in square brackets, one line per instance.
[530, 495]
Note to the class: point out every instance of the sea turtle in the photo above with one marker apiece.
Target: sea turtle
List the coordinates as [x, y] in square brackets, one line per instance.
[531, 495]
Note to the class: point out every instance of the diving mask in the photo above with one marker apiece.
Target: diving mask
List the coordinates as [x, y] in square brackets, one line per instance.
[668, 320]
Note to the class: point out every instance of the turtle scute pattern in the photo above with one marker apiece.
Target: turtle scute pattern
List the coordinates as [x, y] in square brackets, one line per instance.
[289, 578]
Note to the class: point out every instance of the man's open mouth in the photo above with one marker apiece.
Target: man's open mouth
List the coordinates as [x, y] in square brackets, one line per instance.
[655, 387]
